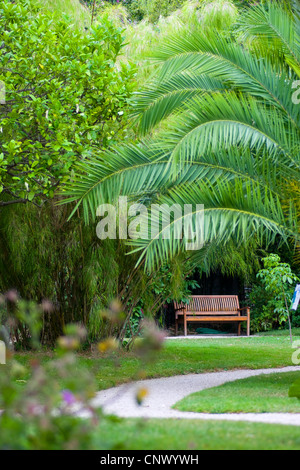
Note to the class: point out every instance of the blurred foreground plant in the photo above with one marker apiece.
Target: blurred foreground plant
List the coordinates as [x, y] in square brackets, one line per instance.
[49, 405]
[36, 412]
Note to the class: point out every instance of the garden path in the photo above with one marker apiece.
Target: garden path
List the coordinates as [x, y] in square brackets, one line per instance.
[164, 392]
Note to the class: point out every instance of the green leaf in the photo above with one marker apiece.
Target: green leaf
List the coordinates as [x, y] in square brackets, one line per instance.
[294, 390]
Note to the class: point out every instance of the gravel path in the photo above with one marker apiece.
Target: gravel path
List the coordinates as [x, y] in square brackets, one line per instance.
[163, 393]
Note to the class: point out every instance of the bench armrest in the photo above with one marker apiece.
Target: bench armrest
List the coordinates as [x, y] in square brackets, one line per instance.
[180, 308]
[244, 308]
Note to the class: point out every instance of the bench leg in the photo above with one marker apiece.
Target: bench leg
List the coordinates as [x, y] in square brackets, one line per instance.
[239, 329]
[184, 324]
[176, 326]
[248, 325]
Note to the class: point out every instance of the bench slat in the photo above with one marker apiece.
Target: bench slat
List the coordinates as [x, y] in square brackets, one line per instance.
[221, 312]
[211, 308]
[211, 303]
[213, 319]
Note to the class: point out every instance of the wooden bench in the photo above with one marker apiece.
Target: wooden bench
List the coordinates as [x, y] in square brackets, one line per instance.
[211, 308]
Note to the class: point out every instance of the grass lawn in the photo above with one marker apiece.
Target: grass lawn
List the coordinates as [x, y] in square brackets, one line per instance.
[184, 356]
[171, 434]
[261, 394]
[279, 333]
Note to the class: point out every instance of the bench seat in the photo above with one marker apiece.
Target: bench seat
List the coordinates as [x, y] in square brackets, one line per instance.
[211, 308]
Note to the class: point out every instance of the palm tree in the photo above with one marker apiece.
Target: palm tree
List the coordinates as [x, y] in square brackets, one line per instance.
[219, 127]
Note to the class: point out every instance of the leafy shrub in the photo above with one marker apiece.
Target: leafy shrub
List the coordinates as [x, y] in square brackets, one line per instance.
[296, 319]
[65, 97]
[152, 9]
[270, 299]
[262, 311]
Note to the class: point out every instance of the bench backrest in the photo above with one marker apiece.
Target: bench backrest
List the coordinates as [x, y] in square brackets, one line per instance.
[211, 304]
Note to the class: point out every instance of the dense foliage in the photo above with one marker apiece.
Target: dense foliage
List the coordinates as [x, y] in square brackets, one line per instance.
[229, 136]
[210, 102]
[65, 98]
[272, 296]
[165, 102]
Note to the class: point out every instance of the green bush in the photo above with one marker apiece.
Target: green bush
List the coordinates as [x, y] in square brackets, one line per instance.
[151, 9]
[271, 298]
[262, 310]
[296, 319]
[66, 98]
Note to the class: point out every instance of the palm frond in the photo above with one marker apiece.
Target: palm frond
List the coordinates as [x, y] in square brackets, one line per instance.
[160, 99]
[102, 180]
[230, 211]
[229, 143]
[273, 22]
[221, 121]
[216, 58]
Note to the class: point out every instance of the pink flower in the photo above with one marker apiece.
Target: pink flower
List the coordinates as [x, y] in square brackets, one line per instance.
[68, 397]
